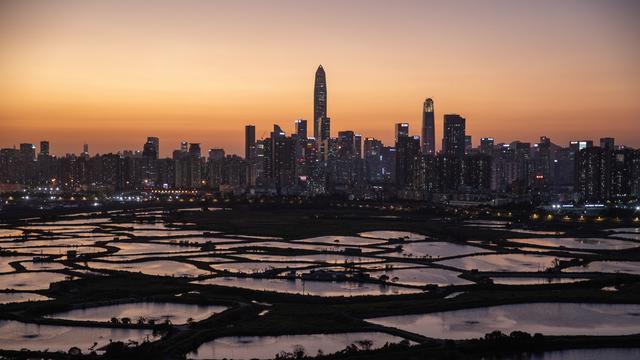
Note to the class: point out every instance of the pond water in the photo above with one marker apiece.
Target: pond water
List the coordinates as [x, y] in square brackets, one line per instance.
[266, 347]
[157, 267]
[545, 318]
[343, 240]
[629, 267]
[40, 266]
[200, 240]
[10, 232]
[176, 313]
[6, 298]
[29, 280]
[580, 243]
[292, 245]
[487, 222]
[535, 232]
[61, 250]
[15, 335]
[502, 262]
[253, 267]
[317, 288]
[5, 260]
[628, 236]
[391, 234]
[335, 259]
[576, 354]
[626, 230]
[163, 233]
[534, 280]
[134, 248]
[423, 276]
[76, 241]
[437, 249]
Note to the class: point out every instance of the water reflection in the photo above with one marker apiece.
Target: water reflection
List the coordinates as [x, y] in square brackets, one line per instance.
[317, 288]
[545, 318]
[266, 347]
[176, 313]
[15, 335]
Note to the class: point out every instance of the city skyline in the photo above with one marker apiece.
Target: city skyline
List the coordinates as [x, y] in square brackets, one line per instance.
[455, 141]
[73, 80]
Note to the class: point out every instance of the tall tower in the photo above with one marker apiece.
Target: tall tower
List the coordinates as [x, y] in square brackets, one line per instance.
[250, 142]
[301, 129]
[428, 128]
[152, 147]
[402, 130]
[319, 101]
[44, 148]
[453, 136]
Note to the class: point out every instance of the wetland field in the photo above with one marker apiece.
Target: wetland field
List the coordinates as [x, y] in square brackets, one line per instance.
[341, 283]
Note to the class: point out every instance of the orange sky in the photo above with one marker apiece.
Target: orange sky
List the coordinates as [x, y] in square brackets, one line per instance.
[111, 73]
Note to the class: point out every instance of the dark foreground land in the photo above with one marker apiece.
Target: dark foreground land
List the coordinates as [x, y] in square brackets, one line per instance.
[304, 314]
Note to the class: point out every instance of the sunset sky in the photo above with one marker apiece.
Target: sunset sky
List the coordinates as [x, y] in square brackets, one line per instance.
[111, 73]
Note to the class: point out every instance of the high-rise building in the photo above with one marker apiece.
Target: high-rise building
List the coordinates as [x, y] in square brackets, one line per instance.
[279, 160]
[194, 150]
[301, 129]
[388, 160]
[593, 171]
[607, 143]
[402, 130]
[345, 161]
[325, 128]
[358, 141]
[428, 128]
[373, 160]
[468, 144]
[216, 154]
[155, 141]
[151, 148]
[85, 150]
[250, 142]
[44, 148]
[486, 145]
[576, 145]
[184, 146]
[28, 151]
[319, 102]
[453, 143]
[408, 162]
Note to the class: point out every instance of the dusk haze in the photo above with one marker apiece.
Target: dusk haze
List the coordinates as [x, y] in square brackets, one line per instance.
[94, 71]
[320, 180]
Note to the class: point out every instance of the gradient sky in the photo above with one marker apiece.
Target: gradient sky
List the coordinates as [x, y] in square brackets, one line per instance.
[111, 73]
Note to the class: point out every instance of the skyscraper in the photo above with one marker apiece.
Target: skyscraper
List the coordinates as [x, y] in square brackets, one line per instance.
[428, 128]
[607, 143]
[44, 148]
[194, 150]
[151, 148]
[301, 128]
[486, 145]
[402, 130]
[28, 151]
[453, 143]
[407, 161]
[358, 140]
[468, 144]
[155, 141]
[325, 128]
[319, 101]
[250, 142]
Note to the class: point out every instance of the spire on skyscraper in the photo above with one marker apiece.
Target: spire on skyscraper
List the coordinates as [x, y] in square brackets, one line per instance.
[319, 100]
